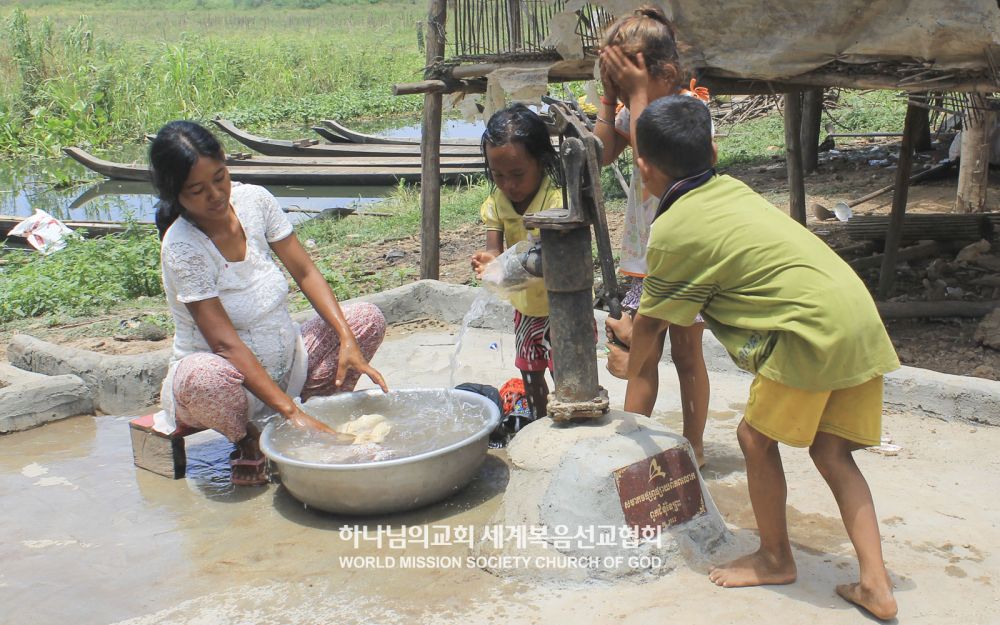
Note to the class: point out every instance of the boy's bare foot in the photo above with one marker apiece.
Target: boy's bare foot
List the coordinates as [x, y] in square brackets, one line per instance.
[880, 603]
[699, 456]
[756, 569]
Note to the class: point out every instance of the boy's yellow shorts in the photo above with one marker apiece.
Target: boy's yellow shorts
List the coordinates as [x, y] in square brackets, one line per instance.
[793, 416]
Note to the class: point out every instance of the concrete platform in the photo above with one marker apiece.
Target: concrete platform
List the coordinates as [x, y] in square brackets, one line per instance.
[30, 399]
[90, 539]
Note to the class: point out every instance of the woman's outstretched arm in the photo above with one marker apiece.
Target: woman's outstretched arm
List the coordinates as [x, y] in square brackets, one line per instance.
[220, 334]
[305, 273]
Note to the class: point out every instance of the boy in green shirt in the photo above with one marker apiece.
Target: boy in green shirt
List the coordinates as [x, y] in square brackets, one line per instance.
[787, 309]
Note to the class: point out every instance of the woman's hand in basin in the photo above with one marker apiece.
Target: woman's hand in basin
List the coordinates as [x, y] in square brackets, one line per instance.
[299, 417]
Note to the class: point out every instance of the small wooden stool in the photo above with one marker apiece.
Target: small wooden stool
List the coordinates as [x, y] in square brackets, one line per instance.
[160, 453]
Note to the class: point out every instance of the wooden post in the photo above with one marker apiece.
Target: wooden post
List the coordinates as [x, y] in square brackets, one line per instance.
[812, 111]
[974, 164]
[514, 24]
[922, 142]
[430, 152]
[887, 276]
[793, 156]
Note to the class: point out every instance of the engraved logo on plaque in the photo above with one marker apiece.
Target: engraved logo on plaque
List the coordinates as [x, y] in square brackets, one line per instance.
[660, 491]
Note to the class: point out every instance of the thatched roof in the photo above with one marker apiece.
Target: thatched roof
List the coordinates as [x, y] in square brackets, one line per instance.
[913, 45]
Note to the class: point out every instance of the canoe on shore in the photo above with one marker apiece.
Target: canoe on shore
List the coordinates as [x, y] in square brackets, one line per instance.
[369, 160]
[388, 162]
[340, 131]
[285, 147]
[263, 174]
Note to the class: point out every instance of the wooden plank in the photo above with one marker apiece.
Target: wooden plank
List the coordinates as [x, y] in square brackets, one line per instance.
[92, 228]
[944, 308]
[920, 250]
[887, 276]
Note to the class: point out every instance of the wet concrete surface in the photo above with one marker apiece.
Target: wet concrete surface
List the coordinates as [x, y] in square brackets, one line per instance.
[90, 539]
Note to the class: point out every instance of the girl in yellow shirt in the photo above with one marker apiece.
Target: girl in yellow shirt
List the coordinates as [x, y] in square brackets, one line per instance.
[524, 167]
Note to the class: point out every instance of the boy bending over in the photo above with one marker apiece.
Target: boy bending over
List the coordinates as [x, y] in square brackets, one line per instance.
[776, 297]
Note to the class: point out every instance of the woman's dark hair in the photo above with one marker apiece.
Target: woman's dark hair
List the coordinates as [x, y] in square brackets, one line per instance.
[172, 154]
[519, 124]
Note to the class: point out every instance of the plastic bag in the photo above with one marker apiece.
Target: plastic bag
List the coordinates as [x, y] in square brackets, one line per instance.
[44, 232]
[506, 274]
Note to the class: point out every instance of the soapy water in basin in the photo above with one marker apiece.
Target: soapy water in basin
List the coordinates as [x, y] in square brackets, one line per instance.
[417, 424]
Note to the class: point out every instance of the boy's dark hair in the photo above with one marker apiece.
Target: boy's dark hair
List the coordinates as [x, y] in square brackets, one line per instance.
[172, 154]
[519, 124]
[674, 134]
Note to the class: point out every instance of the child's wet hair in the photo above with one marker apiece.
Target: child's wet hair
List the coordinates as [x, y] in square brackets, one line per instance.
[649, 32]
[519, 124]
[674, 134]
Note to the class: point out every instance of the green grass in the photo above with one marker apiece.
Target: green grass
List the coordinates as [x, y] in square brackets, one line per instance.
[94, 276]
[88, 276]
[337, 244]
[760, 139]
[123, 69]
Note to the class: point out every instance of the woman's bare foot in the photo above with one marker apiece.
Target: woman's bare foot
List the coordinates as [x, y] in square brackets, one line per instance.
[880, 602]
[756, 569]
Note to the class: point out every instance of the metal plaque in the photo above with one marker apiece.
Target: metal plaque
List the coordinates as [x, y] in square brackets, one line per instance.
[660, 491]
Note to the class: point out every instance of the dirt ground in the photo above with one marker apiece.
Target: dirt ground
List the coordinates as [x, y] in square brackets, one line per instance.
[854, 168]
[943, 344]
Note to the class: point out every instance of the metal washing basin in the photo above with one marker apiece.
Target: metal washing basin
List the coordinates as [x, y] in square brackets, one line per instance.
[391, 485]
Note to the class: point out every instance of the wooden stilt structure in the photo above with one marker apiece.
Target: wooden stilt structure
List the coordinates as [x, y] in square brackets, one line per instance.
[430, 151]
[812, 111]
[911, 128]
[974, 163]
[793, 156]
[492, 35]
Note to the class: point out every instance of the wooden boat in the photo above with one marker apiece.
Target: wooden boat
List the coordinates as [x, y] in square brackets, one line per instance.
[309, 160]
[329, 135]
[262, 174]
[389, 162]
[336, 129]
[284, 147]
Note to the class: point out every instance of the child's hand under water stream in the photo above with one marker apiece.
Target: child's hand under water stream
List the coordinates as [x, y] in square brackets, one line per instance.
[480, 260]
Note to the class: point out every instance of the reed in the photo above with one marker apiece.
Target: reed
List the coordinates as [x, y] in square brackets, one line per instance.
[118, 72]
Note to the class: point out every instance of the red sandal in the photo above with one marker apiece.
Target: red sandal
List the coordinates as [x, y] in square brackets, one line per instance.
[247, 472]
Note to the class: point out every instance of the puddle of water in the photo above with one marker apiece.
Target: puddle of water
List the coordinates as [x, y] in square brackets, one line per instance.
[450, 129]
